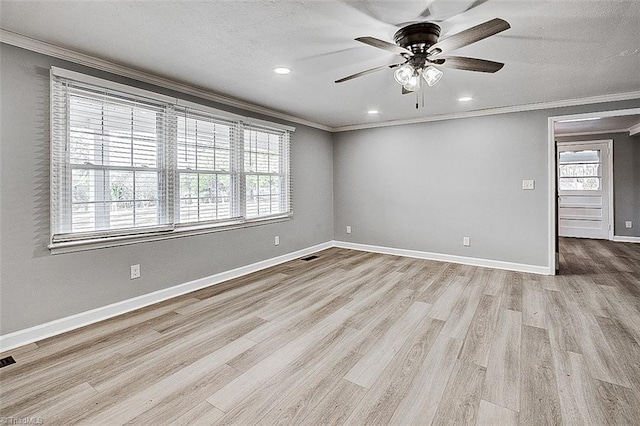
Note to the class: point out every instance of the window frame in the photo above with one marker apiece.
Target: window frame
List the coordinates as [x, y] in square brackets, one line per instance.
[61, 190]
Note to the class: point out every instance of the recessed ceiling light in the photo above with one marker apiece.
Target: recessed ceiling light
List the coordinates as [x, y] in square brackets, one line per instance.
[373, 111]
[573, 120]
[465, 99]
[281, 70]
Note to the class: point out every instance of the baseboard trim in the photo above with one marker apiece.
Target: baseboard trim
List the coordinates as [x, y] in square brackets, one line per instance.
[623, 239]
[72, 322]
[486, 263]
[62, 325]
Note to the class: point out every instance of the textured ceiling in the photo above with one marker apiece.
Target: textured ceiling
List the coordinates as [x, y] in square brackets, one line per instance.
[555, 50]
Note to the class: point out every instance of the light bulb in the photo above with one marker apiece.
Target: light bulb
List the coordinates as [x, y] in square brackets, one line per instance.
[431, 75]
[403, 74]
[414, 82]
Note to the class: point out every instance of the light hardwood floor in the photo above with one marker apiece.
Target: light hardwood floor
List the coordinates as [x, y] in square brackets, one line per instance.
[357, 338]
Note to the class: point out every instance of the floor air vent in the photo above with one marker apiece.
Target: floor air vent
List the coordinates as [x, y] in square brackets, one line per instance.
[7, 361]
[309, 258]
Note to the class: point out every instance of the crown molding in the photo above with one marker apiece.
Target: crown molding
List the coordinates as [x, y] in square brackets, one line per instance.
[49, 49]
[34, 45]
[634, 130]
[495, 111]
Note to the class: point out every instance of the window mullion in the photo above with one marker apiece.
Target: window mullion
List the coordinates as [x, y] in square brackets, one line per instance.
[239, 174]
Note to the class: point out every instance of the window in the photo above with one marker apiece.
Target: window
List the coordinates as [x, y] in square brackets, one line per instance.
[266, 171]
[127, 163]
[205, 169]
[580, 170]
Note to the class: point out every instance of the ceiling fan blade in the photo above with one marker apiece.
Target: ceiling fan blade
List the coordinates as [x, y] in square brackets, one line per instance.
[385, 45]
[469, 64]
[428, 12]
[365, 72]
[470, 36]
[476, 3]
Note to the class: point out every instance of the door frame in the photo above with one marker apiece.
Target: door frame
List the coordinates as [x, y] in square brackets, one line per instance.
[609, 177]
[552, 214]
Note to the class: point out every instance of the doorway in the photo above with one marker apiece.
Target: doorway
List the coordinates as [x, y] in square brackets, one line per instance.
[579, 127]
[585, 189]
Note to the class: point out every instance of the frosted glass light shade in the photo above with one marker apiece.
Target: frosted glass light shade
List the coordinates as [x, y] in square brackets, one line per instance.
[403, 74]
[414, 83]
[431, 75]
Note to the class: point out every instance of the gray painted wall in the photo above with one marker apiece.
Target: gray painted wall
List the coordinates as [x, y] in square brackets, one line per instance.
[421, 187]
[626, 179]
[37, 287]
[426, 186]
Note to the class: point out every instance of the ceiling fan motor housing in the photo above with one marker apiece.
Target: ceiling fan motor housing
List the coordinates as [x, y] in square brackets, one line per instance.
[417, 37]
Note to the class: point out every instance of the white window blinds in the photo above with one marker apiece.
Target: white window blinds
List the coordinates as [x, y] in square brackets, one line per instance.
[125, 162]
[207, 168]
[266, 171]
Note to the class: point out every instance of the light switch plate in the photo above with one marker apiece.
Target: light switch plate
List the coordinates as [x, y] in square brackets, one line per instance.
[628, 224]
[528, 184]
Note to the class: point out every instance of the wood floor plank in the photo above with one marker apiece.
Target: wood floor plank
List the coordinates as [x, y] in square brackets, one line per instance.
[576, 390]
[625, 348]
[502, 380]
[533, 305]
[512, 292]
[461, 399]
[144, 400]
[602, 362]
[620, 405]
[625, 308]
[384, 396]
[203, 413]
[479, 337]
[336, 405]
[367, 370]
[562, 332]
[539, 401]
[491, 414]
[289, 392]
[170, 409]
[496, 282]
[233, 393]
[463, 311]
[444, 305]
[421, 402]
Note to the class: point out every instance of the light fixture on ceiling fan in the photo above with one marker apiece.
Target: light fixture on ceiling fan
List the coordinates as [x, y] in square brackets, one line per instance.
[408, 76]
[418, 44]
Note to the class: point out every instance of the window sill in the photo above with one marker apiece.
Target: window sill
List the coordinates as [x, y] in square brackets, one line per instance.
[187, 231]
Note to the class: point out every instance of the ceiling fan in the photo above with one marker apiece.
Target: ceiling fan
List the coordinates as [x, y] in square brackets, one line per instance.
[424, 54]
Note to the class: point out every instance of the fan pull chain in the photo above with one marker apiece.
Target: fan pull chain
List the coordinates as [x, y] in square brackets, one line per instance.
[417, 100]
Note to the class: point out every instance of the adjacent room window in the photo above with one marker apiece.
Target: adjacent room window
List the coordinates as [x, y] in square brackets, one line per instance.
[580, 170]
[128, 163]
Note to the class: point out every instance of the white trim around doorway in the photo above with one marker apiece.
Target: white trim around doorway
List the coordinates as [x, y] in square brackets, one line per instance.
[551, 173]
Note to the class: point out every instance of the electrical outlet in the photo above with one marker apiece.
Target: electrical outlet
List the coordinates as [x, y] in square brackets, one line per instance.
[276, 241]
[348, 229]
[135, 271]
[628, 224]
[465, 241]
